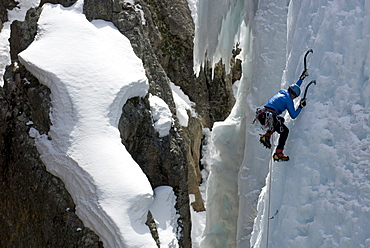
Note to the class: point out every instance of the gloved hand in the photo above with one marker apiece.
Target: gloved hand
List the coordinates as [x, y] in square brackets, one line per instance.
[302, 103]
[303, 75]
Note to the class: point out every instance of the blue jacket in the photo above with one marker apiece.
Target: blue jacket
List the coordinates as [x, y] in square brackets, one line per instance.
[282, 101]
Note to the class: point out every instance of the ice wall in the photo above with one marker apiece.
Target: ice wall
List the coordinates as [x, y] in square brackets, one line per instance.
[238, 166]
[217, 29]
[322, 194]
[268, 63]
[225, 28]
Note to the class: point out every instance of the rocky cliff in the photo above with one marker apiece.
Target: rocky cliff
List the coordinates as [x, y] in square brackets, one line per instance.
[35, 208]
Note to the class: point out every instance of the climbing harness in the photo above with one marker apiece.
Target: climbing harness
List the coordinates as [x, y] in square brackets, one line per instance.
[267, 118]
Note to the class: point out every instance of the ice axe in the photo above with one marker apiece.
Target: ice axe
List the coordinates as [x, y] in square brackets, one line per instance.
[305, 58]
[305, 70]
[308, 85]
[304, 73]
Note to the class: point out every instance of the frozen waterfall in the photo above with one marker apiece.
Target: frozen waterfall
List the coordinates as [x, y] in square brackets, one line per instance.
[321, 196]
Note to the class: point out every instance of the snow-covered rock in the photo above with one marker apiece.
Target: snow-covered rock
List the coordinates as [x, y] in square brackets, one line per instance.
[83, 147]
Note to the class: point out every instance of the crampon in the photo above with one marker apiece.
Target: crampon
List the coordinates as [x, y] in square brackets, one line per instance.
[265, 141]
[280, 156]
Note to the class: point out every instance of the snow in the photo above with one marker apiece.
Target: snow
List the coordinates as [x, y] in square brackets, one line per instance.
[18, 13]
[183, 105]
[161, 115]
[139, 9]
[132, 2]
[198, 223]
[163, 210]
[320, 198]
[92, 71]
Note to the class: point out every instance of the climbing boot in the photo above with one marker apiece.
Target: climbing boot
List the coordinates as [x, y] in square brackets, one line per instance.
[265, 140]
[280, 156]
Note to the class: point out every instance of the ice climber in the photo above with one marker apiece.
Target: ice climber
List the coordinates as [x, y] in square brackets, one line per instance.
[275, 106]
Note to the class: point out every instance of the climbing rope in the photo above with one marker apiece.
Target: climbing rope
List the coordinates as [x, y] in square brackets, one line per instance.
[269, 192]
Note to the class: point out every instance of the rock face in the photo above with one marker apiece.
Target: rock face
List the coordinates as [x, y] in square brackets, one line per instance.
[4, 6]
[35, 207]
[23, 33]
